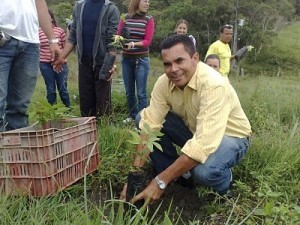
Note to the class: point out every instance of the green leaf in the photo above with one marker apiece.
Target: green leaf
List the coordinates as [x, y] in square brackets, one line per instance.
[268, 209]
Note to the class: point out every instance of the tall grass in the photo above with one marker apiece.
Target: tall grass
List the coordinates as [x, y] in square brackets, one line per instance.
[267, 180]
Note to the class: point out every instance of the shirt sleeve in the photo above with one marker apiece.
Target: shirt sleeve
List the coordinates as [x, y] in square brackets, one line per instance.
[211, 123]
[154, 115]
[112, 27]
[211, 50]
[149, 33]
[120, 27]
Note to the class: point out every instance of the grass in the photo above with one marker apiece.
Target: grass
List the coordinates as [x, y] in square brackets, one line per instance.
[267, 179]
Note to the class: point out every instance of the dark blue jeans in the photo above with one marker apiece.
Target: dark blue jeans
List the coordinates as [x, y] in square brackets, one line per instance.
[19, 66]
[55, 80]
[215, 172]
[135, 73]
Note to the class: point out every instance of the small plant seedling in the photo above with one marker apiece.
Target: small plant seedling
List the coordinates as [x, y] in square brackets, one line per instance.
[152, 138]
[43, 112]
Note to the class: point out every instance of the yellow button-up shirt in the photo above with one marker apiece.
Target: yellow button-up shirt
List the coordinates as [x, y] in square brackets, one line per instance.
[208, 105]
[223, 51]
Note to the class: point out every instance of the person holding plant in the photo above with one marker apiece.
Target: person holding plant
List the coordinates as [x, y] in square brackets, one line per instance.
[139, 30]
[222, 49]
[182, 27]
[197, 110]
[52, 78]
[19, 57]
[94, 23]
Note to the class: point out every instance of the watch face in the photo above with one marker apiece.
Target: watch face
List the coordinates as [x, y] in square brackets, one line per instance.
[162, 185]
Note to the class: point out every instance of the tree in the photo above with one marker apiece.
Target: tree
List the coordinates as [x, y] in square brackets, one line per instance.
[298, 7]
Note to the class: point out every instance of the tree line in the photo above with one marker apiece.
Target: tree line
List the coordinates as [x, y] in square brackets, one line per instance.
[262, 18]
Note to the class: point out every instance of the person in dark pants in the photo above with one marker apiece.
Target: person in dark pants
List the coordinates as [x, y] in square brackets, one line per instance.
[94, 24]
[198, 110]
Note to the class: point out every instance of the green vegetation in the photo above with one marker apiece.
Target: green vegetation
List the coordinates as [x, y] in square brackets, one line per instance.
[268, 179]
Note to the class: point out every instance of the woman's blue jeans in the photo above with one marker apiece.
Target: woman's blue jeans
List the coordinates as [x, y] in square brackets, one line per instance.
[53, 81]
[216, 171]
[135, 74]
[19, 64]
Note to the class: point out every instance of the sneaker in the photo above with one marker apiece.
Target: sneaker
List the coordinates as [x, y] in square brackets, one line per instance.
[128, 120]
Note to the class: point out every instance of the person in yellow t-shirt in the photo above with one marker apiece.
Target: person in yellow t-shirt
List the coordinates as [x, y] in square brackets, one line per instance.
[222, 49]
[197, 110]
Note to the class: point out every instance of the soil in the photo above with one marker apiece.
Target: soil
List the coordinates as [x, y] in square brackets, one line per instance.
[181, 202]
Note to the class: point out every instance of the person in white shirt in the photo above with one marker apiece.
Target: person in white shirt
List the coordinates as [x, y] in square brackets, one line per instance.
[19, 57]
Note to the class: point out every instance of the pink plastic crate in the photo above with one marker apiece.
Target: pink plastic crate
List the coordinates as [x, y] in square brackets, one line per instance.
[41, 162]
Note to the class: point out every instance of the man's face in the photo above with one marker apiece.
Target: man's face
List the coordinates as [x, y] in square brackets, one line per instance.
[226, 36]
[179, 65]
[214, 63]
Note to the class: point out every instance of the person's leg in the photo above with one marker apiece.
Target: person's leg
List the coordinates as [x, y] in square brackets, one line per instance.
[49, 77]
[86, 83]
[175, 132]
[128, 73]
[21, 84]
[61, 82]
[216, 172]
[141, 75]
[103, 95]
[7, 54]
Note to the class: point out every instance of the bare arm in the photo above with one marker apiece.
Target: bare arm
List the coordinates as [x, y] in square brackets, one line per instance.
[180, 166]
[45, 24]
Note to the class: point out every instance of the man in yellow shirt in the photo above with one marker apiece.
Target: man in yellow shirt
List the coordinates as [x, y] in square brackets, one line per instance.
[222, 49]
[198, 110]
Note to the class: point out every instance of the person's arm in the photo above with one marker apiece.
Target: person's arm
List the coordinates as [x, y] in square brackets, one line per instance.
[152, 192]
[156, 113]
[45, 24]
[58, 63]
[112, 28]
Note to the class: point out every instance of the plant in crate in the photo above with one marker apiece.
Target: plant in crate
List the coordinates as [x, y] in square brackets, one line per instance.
[49, 116]
[137, 177]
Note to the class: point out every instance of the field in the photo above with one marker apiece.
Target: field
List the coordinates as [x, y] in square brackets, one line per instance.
[267, 185]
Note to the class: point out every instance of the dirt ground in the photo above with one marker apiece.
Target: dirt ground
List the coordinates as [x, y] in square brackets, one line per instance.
[180, 201]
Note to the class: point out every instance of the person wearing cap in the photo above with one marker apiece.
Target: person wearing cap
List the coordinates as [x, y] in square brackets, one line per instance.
[222, 49]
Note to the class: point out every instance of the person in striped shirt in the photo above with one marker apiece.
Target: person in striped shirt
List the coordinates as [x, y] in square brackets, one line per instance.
[54, 80]
[135, 58]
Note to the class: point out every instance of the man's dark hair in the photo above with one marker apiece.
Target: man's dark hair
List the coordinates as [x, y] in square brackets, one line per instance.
[173, 40]
[227, 26]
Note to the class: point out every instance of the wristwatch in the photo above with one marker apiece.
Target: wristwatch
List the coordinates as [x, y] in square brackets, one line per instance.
[161, 184]
[53, 41]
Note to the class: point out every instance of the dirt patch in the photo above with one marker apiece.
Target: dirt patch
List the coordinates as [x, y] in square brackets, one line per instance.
[182, 204]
